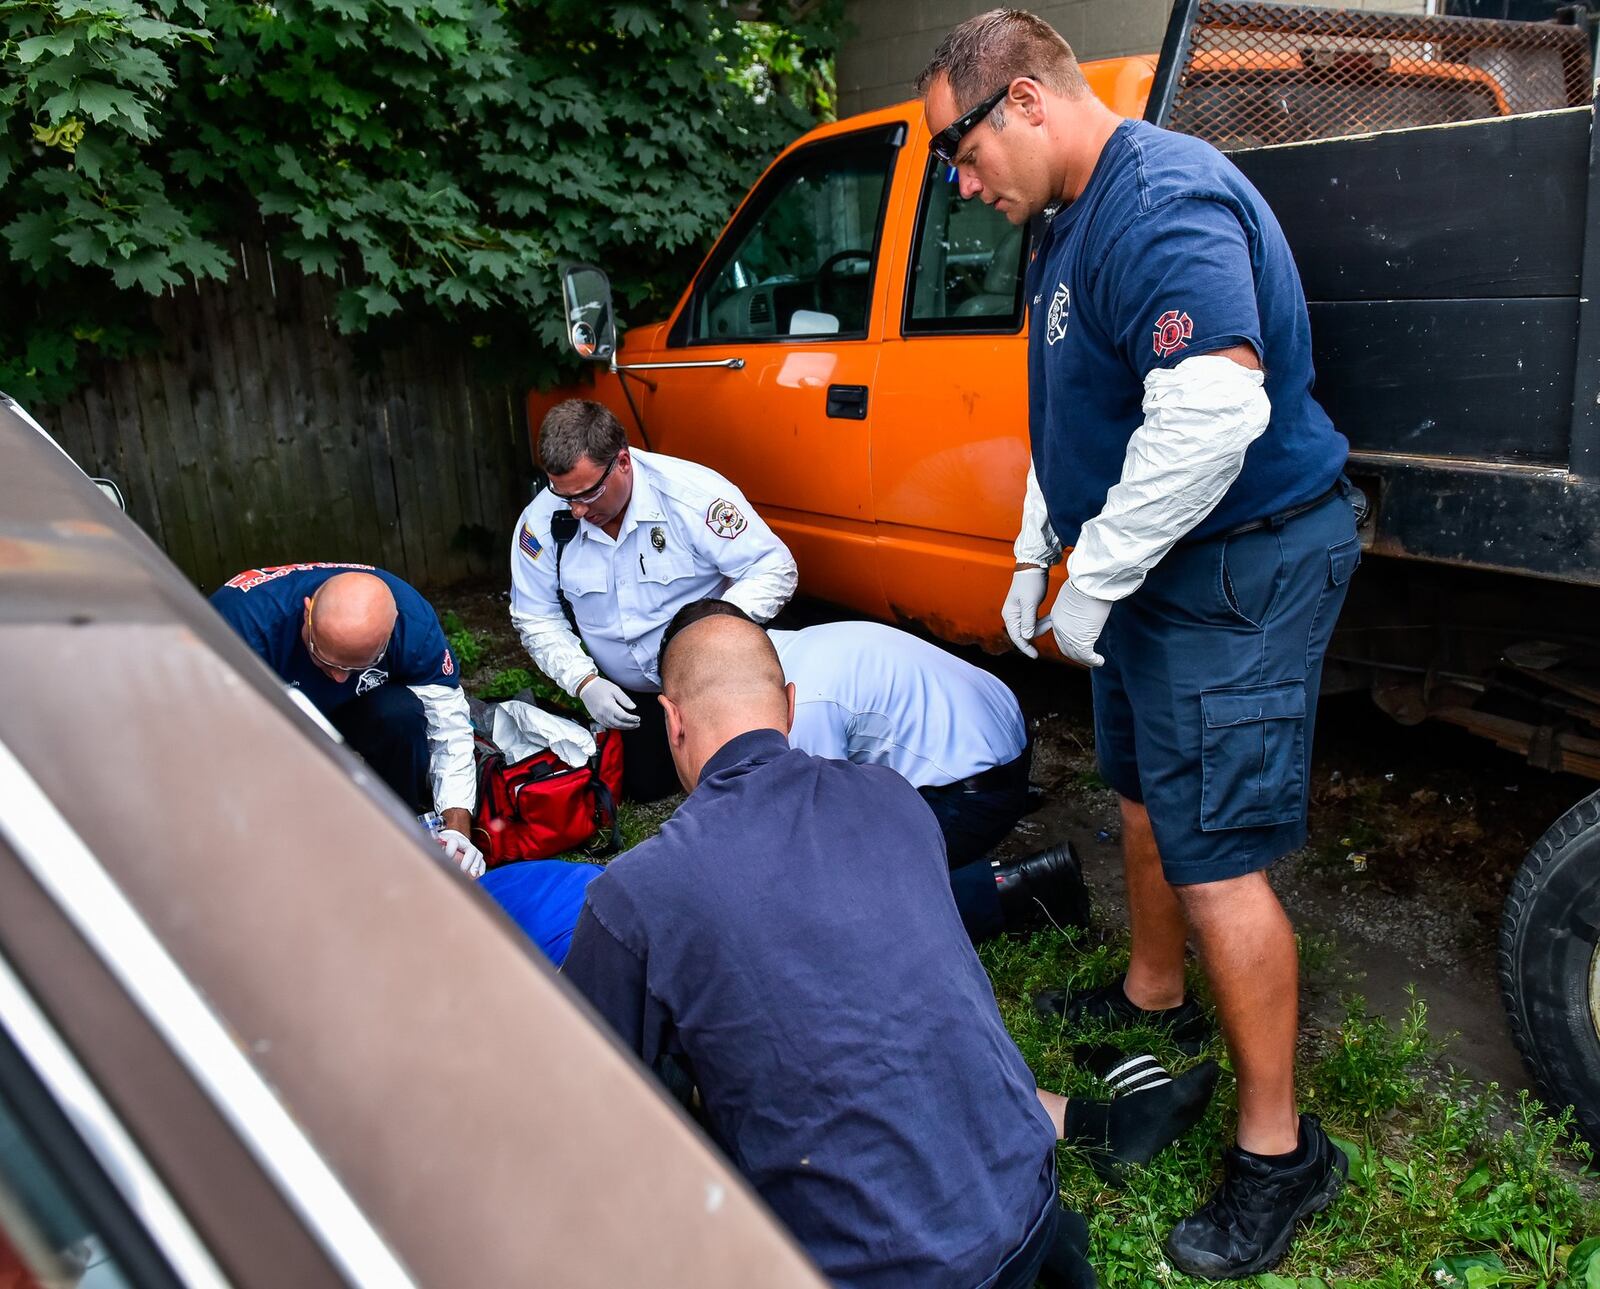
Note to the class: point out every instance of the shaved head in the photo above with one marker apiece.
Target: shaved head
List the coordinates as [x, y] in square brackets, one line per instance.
[720, 678]
[349, 620]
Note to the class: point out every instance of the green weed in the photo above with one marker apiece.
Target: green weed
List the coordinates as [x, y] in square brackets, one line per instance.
[514, 681]
[1372, 1069]
[463, 641]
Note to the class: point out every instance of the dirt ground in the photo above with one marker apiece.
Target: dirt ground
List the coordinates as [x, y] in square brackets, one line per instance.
[1415, 836]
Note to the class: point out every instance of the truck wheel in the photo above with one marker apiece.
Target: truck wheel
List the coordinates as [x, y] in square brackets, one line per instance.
[1550, 963]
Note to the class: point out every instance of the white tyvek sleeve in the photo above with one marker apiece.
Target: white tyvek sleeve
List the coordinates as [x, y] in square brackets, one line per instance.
[537, 615]
[1036, 541]
[1199, 418]
[767, 585]
[451, 767]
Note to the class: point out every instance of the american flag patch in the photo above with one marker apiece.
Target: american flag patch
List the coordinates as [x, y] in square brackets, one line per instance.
[528, 542]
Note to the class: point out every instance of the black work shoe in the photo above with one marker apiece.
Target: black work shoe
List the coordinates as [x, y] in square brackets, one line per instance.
[1109, 1005]
[1047, 887]
[1247, 1226]
[1149, 1110]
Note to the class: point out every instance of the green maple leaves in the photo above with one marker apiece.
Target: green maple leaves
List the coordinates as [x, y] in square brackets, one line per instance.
[436, 157]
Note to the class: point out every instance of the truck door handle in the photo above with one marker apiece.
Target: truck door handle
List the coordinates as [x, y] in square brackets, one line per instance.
[847, 402]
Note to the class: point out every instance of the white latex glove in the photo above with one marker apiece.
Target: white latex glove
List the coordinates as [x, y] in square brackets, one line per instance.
[467, 856]
[1020, 612]
[609, 705]
[1076, 621]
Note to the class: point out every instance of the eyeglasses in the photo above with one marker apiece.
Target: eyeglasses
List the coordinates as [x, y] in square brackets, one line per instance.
[589, 495]
[947, 142]
[317, 658]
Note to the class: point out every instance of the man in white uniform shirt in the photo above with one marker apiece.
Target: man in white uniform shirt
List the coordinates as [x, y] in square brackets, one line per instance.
[645, 534]
[870, 694]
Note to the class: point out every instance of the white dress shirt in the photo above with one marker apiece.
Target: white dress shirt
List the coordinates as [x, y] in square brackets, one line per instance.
[867, 693]
[687, 534]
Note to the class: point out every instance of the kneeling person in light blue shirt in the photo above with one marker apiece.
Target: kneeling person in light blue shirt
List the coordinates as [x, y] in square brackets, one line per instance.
[871, 694]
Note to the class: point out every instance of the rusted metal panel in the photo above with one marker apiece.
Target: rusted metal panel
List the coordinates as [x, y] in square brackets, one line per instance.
[1542, 522]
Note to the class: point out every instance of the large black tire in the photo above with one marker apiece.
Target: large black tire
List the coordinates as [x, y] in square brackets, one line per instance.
[1550, 967]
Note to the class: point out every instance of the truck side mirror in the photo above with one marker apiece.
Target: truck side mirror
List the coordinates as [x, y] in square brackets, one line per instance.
[590, 323]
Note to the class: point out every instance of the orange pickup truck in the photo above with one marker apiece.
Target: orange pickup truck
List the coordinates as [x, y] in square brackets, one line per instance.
[852, 355]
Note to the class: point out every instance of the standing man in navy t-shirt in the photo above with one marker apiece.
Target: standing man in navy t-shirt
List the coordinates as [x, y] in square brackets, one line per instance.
[340, 633]
[1178, 450]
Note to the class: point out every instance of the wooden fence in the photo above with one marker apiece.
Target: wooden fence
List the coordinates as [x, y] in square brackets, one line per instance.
[254, 436]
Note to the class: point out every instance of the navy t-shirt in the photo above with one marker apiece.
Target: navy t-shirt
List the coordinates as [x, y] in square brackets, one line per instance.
[791, 933]
[266, 606]
[1168, 252]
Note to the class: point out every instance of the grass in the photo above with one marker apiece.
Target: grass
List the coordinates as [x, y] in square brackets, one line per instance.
[1451, 1185]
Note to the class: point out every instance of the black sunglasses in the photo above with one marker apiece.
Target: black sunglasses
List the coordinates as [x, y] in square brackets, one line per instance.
[947, 142]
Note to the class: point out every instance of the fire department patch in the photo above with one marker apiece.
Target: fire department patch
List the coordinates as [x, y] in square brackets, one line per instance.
[369, 680]
[1055, 322]
[448, 666]
[1173, 331]
[725, 519]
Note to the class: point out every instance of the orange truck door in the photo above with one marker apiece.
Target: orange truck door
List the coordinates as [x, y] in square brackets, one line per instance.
[950, 439]
[793, 288]
[950, 445]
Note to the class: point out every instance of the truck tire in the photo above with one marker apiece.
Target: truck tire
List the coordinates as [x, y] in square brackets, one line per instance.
[1550, 963]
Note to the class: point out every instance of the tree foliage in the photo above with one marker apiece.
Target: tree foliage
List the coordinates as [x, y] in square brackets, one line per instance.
[437, 157]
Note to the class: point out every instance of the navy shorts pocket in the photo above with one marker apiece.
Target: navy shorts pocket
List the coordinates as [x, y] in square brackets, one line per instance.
[1343, 560]
[1253, 755]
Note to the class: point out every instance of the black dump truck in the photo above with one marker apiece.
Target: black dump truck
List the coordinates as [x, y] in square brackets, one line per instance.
[1438, 179]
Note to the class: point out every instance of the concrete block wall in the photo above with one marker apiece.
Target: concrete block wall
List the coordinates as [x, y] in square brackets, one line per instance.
[891, 40]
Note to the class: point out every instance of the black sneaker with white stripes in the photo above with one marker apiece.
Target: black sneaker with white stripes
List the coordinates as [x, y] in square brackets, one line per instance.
[1150, 1108]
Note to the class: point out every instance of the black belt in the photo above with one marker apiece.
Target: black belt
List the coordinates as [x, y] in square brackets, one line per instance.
[998, 776]
[1341, 488]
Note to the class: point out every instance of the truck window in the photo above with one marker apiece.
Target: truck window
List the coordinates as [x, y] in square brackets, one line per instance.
[799, 260]
[966, 264]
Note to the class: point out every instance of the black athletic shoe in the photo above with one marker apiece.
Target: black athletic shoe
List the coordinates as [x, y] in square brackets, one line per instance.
[1247, 1226]
[1044, 889]
[1148, 1111]
[1109, 1006]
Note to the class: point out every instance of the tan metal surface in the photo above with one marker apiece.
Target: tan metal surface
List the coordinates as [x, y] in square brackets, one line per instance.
[492, 1133]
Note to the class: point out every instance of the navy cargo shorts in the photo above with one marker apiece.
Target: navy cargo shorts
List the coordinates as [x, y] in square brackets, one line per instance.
[1204, 708]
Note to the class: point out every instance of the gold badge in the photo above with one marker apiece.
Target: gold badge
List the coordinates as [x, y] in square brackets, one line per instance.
[658, 539]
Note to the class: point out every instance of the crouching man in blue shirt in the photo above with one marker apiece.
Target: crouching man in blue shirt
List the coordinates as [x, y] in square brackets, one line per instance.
[789, 939]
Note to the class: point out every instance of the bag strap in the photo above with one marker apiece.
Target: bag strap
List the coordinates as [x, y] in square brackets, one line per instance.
[605, 804]
[563, 528]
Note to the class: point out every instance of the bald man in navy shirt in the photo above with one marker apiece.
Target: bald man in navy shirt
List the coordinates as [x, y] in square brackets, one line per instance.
[789, 939]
